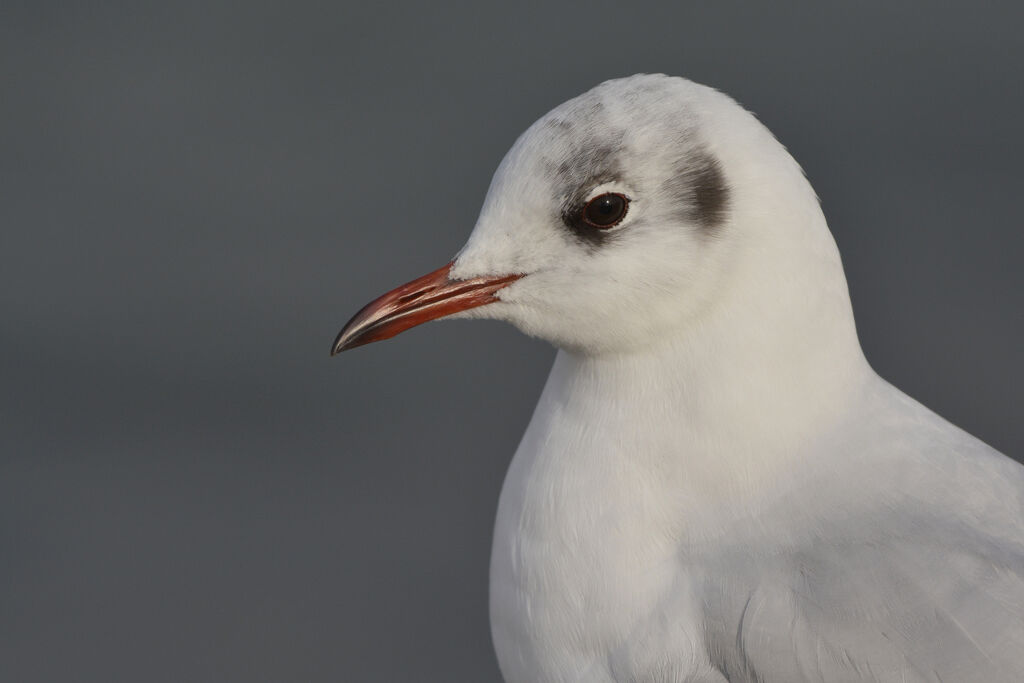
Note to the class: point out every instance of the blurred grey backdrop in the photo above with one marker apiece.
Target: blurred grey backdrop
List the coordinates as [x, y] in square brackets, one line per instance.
[195, 196]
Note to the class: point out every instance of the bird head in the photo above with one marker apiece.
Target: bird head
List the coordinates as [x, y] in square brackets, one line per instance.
[619, 218]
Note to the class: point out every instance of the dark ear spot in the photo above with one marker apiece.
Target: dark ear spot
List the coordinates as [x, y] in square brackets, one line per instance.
[700, 190]
[710, 193]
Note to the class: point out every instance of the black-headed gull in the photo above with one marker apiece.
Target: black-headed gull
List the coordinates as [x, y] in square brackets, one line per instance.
[715, 485]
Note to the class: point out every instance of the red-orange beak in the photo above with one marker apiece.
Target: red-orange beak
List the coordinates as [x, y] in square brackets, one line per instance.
[426, 298]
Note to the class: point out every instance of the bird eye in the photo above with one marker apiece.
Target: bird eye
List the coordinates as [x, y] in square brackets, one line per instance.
[605, 211]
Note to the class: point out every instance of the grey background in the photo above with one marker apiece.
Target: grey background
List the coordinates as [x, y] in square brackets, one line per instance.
[194, 197]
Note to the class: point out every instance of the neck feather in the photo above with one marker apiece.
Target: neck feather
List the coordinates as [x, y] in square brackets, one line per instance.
[738, 398]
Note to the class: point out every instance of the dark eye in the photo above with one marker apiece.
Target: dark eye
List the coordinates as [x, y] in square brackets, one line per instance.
[606, 210]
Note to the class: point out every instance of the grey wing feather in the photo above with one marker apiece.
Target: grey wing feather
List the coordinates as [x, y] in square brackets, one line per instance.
[879, 614]
[934, 593]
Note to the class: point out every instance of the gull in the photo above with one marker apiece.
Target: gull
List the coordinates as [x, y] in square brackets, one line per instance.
[715, 485]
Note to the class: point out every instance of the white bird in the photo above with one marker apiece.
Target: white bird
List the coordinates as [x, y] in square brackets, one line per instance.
[715, 485]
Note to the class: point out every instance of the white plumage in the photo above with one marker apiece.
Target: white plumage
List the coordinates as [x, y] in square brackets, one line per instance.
[715, 485]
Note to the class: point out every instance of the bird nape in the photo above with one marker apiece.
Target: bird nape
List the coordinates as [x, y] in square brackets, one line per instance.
[715, 485]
